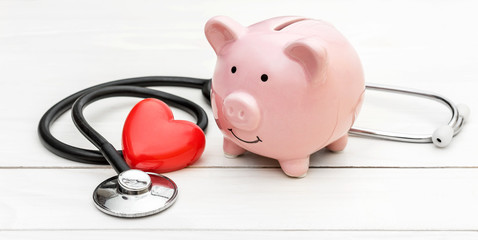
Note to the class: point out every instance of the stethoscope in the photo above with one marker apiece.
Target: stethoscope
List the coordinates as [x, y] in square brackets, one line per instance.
[134, 193]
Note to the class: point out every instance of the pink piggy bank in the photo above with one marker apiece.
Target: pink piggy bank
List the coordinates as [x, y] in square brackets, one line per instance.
[284, 88]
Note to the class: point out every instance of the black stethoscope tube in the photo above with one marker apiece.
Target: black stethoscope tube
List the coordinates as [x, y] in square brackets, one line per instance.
[134, 87]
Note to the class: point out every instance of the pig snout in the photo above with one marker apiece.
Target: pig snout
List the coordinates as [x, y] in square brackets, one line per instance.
[241, 111]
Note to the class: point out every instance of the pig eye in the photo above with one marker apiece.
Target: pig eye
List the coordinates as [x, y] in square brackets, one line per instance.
[233, 69]
[264, 77]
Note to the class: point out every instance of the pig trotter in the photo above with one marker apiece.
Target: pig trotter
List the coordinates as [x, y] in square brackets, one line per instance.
[295, 167]
[232, 150]
[339, 144]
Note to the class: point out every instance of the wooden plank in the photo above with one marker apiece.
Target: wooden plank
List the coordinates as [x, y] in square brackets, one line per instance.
[107, 116]
[220, 235]
[359, 152]
[254, 199]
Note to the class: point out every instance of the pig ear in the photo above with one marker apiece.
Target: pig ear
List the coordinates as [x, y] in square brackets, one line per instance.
[311, 54]
[222, 30]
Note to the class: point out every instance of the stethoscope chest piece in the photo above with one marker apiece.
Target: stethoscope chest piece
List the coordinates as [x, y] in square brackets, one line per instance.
[134, 193]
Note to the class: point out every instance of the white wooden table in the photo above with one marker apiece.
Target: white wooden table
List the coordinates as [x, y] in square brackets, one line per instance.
[374, 189]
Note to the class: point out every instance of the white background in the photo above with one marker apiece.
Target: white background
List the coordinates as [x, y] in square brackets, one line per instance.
[374, 189]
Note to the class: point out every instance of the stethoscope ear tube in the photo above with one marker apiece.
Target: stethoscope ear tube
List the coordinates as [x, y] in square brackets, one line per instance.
[441, 137]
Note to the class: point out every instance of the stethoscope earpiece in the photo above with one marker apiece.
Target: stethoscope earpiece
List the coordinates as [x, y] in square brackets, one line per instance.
[443, 135]
[464, 111]
[134, 193]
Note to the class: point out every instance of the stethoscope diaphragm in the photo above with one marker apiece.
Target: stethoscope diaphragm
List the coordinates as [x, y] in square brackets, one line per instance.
[134, 193]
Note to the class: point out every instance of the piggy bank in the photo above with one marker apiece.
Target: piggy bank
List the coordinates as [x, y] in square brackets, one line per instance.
[284, 88]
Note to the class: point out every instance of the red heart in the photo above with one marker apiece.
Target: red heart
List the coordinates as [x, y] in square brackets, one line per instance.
[154, 142]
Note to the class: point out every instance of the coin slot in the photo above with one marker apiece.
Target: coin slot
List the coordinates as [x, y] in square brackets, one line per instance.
[288, 23]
